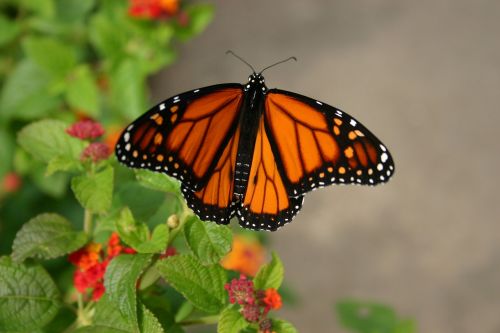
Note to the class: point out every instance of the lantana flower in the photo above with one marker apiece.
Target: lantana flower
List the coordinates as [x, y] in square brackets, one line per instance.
[255, 304]
[91, 263]
[153, 9]
[96, 151]
[247, 256]
[85, 129]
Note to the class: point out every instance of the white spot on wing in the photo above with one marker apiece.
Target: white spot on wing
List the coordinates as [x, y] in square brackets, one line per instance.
[162, 106]
[126, 136]
[384, 157]
[353, 122]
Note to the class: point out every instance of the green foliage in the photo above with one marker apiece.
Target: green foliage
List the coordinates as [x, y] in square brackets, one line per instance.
[231, 321]
[270, 275]
[137, 234]
[28, 297]
[366, 317]
[208, 241]
[94, 191]
[120, 281]
[46, 236]
[201, 285]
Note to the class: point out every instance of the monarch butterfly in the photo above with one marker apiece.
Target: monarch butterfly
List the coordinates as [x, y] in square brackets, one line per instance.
[250, 151]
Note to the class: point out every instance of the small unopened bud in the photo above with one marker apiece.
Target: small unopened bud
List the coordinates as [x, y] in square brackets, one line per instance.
[173, 221]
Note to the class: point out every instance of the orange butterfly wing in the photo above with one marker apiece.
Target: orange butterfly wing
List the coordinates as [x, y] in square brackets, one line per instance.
[266, 204]
[318, 145]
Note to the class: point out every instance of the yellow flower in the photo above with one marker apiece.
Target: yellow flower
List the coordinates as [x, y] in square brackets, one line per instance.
[246, 256]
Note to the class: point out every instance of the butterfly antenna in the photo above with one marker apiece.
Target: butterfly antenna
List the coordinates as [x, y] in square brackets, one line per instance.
[243, 60]
[279, 62]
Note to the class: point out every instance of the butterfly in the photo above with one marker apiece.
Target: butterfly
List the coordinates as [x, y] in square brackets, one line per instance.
[248, 151]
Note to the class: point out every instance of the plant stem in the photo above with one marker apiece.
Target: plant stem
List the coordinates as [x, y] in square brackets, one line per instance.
[87, 222]
[202, 320]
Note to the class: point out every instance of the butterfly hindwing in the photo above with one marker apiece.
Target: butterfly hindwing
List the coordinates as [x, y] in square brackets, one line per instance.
[266, 204]
[317, 145]
[184, 136]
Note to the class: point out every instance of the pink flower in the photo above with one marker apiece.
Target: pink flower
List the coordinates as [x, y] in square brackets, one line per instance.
[96, 151]
[12, 182]
[85, 129]
[240, 291]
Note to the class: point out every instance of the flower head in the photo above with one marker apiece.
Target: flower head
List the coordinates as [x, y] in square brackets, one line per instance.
[240, 291]
[86, 257]
[96, 151]
[153, 9]
[272, 299]
[251, 312]
[85, 129]
[11, 182]
[246, 256]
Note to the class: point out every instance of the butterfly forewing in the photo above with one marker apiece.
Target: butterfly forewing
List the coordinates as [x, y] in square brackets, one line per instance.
[317, 145]
[184, 136]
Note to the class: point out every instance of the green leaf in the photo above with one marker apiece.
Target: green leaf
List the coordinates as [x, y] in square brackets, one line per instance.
[29, 298]
[53, 56]
[157, 181]
[54, 185]
[202, 285]
[281, 326]
[209, 241]
[47, 140]
[127, 89]
[46, 236]
[136, 234]
[366, 317]
[94, 191]
[231, 321]
[71, 10]
[148, 322]
[10, 30]
[200, 15]
[62, 163]
[270, 275]
[25, 94]
[120, 281]
[82, 92]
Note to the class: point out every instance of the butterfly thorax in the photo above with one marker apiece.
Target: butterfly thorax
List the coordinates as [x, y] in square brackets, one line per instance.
[253, 107]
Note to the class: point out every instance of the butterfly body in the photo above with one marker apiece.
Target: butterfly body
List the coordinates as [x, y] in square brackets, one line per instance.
[253, 152]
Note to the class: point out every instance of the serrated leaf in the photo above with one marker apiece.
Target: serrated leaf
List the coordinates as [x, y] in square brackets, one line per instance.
[148, 321]
[282, 326]
[209, 241]
[130, 231]
[120, 283]
[25, 93]
[46, 236]
[367, 317]
[202, 285]
[62, 163]
[94, 191]
[157, 181]
[270, 275]
[53, 56]
[231, 321]
[29, 298]
[47, 140]
[107, 315]
[82, 92]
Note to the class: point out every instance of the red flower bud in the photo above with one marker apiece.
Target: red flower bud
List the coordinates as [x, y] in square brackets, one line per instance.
[85, 129]
[96, 151]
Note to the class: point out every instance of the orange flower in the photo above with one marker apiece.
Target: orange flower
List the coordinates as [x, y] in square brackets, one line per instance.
[246, 256]
[113, 134]
[86, 257]
[170, 7]
[272, 299]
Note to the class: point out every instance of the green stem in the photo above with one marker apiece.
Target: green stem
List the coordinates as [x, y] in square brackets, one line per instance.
[87, 222]
[202, 320]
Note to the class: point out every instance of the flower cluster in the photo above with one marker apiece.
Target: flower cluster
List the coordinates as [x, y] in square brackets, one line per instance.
[153, 9]
[89, 130]
[247, 256]
[255, 304]
[91, 263]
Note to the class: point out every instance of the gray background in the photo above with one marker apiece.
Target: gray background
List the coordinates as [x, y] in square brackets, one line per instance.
[425, 77]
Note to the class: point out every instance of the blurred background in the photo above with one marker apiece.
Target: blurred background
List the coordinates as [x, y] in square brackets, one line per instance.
[424, 76]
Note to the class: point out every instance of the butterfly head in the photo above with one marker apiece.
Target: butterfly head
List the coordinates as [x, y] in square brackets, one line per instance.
[256, 82]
